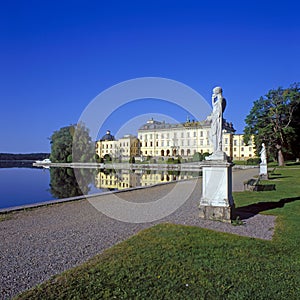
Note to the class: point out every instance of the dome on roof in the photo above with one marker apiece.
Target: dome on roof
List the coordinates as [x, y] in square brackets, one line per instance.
[108, 137]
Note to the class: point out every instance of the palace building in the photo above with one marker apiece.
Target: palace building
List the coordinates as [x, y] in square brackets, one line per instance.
[184, 139]
[161, 139]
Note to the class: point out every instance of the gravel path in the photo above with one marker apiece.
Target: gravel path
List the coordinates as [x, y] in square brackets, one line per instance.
[38, 243]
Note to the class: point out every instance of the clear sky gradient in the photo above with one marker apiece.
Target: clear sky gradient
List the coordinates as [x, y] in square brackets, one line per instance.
[56, 56]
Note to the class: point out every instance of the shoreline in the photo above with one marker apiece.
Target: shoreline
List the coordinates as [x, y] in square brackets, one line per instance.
[6, 210]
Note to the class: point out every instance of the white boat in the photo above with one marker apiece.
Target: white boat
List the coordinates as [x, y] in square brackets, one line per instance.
[44, 161]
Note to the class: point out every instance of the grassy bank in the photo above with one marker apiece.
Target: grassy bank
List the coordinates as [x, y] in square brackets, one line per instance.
[181, 262]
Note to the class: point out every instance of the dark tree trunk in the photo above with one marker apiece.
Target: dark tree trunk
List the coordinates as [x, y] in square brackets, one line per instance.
[280, 156]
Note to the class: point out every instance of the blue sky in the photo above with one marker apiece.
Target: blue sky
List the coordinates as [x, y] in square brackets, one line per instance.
[56, 56]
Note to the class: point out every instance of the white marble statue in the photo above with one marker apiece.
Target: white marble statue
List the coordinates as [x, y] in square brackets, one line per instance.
[263, 154]
[218, 104]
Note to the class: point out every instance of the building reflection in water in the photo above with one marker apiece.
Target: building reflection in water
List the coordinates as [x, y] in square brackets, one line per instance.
[124, 179]
[64, 183]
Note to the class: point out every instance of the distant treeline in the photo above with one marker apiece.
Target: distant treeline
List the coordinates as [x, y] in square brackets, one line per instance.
[21, 156]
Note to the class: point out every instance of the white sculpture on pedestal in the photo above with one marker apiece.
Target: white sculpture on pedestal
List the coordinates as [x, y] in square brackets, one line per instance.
[216, 202]
[216, 130]
[263, 154]
[263, 168]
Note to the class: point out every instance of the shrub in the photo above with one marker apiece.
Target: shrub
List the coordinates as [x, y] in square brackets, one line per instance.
[69, 158]
[170, 160]
[107, 157]
[197, 156]
[132, 160]
[253, 161]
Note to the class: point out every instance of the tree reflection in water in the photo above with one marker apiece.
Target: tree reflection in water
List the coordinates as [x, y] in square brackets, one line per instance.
[64, 183]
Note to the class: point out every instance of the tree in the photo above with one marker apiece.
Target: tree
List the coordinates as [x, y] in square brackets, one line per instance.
[61, 144]
[272, 121]
[72, 143]
[83, 147]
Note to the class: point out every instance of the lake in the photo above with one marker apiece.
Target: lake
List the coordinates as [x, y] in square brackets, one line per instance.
[20, 186]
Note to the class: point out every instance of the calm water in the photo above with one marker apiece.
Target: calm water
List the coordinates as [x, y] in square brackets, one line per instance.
[21, 186]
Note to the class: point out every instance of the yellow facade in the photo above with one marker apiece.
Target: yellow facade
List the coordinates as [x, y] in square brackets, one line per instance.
[241, 151]
[124, 148]
[160, 139]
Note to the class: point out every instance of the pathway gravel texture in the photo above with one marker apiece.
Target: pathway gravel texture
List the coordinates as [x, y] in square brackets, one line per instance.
[41, 242]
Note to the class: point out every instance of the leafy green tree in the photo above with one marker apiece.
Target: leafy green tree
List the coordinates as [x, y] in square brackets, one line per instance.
[272, 121]
[83, 147]
[61, 144]
[72, 144]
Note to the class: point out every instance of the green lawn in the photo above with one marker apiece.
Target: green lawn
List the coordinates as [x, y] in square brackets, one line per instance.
[181, 262]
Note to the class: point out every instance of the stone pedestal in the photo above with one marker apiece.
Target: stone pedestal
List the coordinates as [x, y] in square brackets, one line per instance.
[217, 202]
[263, 171]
